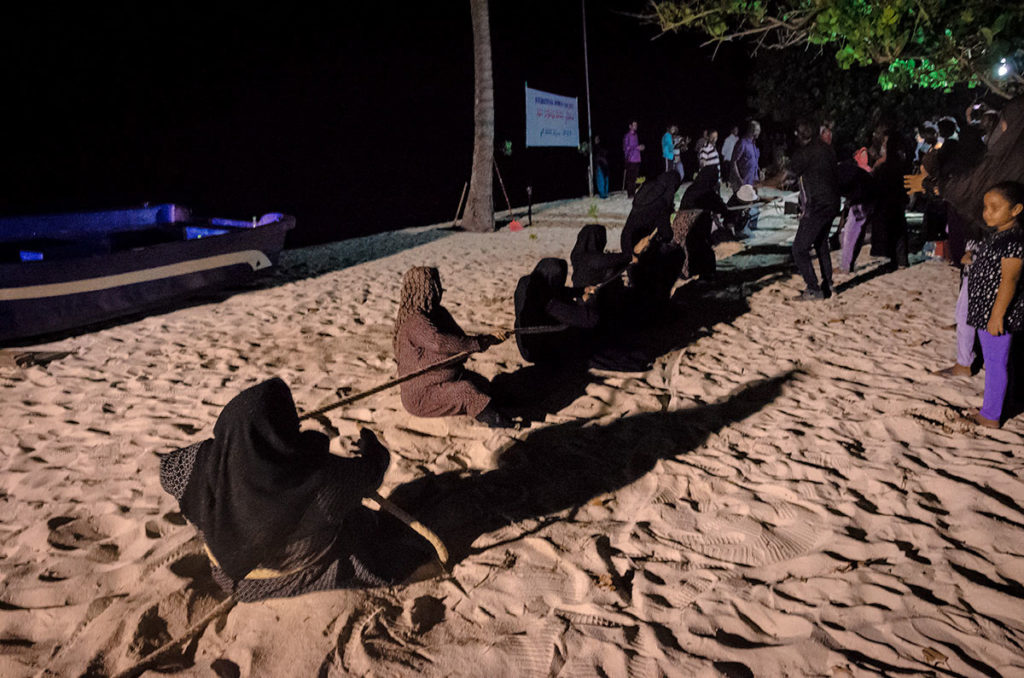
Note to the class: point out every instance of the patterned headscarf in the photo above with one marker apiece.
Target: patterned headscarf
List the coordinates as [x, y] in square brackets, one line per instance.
[421, 294]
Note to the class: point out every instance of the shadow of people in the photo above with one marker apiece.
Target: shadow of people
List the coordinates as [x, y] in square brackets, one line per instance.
[694, 308]
[316, 261]
[866, 276]
[534, 391]
[561, 467]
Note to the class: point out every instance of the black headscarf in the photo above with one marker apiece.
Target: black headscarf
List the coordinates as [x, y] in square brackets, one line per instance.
[652, 209]
[591, 265]
[255, 482]
[533, 294]
[703, 193]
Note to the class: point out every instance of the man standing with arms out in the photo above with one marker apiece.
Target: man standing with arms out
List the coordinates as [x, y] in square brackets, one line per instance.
[727, 146]
[631, 148]
[814, 164]
[709, 153]
[746, 169]
[668, 147]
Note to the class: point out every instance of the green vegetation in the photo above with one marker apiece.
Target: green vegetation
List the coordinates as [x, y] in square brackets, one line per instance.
[934, 44]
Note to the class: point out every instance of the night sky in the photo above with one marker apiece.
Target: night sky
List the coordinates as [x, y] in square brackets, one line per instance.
[356, 120]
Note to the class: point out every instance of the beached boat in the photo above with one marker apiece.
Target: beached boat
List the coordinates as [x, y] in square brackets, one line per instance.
[67, 271]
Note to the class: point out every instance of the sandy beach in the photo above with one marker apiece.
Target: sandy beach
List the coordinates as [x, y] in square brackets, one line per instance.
[789, 491]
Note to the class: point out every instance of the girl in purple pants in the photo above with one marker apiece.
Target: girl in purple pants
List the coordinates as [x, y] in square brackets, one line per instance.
[995, 305]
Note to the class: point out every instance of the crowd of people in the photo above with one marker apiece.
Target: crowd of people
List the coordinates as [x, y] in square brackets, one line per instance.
[281, 516]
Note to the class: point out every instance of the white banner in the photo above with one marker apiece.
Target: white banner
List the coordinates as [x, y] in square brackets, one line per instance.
[551, 120]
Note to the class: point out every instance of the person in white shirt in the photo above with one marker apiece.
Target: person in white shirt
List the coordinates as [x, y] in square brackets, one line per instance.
[727, 146]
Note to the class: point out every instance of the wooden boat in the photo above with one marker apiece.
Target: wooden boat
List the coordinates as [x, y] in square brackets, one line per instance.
[67, 271]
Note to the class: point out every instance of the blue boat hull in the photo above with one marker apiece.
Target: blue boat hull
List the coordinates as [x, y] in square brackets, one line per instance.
[60, 294]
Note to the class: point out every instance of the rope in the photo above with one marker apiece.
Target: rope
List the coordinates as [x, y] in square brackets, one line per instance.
[447, 362]
[417, 527]
[146, 662]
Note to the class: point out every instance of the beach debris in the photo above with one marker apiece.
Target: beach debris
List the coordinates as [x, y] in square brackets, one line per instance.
[15, 358]
[933, 656]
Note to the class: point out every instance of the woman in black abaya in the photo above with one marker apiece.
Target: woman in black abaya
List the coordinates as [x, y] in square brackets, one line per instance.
[279, 514]
[542, 301]
[694, 221]
[591, 265]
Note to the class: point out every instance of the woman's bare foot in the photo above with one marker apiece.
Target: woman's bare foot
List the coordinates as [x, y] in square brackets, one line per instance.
[957, 370]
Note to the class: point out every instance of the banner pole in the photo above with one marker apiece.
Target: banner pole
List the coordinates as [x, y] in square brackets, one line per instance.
[586, 73]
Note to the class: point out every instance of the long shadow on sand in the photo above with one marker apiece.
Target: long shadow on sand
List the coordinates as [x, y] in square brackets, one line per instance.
[534, 391]
[336, 256]
[877, 272]
[695, 307]
[563, 467]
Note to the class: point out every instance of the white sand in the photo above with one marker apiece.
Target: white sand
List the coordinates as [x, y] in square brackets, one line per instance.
[788, 493]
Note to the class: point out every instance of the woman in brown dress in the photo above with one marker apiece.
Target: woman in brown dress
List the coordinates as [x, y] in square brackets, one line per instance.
[426, 333]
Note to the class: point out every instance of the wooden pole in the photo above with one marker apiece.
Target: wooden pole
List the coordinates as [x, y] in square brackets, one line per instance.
[458, 208]
[504, 192]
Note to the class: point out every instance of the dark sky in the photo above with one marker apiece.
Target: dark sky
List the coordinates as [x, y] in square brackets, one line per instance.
[352, 120]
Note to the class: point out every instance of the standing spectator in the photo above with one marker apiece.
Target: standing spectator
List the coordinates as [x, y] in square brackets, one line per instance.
[708, 156]
[746, 168]
[889, 237]
[600, 167]
[701, 140]
[814, 163]
[857, 186]
[677, 153]
[631, 148]
[948, 131]
[927, 138]
[727, 147]
[687, 157]
[668, 147]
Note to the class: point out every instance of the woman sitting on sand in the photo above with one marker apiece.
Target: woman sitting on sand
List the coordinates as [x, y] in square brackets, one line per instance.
[280, 515]
[542, 301]
[426, 333]
[693, 223]
[591, 265]
[652, 212]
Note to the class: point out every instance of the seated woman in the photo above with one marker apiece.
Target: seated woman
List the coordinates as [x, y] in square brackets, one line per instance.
[652, 211]
[591, 265]
[542, 300]
[426, 333]
[700, 203]
[280, 515]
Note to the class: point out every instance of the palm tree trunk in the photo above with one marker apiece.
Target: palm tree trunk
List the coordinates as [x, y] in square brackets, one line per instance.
[480, 204]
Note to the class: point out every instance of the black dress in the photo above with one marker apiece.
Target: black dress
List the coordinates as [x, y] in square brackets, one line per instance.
[591, 265]
[542, 300]
[280, 515]
[694, 221]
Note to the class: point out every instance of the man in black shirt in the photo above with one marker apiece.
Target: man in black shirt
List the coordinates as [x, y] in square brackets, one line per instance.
[815, 167]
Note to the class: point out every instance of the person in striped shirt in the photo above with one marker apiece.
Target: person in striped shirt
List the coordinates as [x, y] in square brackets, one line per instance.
[708, 153]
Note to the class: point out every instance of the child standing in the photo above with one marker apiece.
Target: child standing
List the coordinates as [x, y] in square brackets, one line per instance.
[995, 306]
[965, 333]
